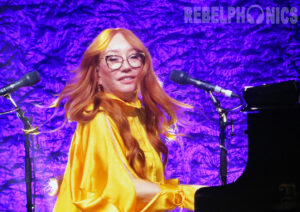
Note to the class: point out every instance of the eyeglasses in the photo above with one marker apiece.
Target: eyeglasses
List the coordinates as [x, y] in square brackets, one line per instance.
[136, 60]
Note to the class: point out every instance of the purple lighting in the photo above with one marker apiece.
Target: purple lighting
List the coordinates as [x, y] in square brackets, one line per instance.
[50, 37]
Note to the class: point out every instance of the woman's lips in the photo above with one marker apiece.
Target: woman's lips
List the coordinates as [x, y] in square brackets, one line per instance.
[127, 79]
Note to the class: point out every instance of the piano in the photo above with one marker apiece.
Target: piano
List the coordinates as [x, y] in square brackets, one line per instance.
[271, 179]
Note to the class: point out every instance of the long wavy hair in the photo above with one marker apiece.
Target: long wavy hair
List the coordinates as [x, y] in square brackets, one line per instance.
[160, 110]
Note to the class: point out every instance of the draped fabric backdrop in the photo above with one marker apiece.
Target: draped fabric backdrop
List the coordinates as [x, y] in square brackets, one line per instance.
[51, 36]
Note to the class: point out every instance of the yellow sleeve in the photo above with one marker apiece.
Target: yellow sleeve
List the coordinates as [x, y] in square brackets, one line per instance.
[95, 179]
[173, 195]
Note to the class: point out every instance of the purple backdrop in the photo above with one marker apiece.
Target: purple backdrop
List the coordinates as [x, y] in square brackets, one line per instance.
[51, 36]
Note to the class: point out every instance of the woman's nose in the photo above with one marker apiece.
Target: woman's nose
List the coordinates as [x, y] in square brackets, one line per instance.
[126, 66]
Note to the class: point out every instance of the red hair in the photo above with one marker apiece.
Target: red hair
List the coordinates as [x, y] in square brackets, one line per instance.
[160, 109]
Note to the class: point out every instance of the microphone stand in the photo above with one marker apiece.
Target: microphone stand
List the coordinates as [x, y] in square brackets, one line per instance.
[28, 129]
[223, 122]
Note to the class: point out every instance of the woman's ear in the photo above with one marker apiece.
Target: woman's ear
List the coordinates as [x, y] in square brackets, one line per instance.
[99, 79]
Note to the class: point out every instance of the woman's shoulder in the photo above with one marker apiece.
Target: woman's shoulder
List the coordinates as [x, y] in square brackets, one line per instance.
[97, 118]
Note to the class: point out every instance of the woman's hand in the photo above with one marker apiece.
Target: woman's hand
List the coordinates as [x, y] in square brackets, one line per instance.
[145, 190]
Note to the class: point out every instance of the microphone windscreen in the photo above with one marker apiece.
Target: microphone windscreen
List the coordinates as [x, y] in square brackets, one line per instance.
[178, 77]
[30, 78]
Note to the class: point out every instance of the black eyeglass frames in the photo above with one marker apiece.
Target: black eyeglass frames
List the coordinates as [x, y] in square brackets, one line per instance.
[135, 60]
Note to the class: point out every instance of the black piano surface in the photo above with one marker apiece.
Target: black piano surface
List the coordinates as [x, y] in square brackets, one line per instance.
[271, 180]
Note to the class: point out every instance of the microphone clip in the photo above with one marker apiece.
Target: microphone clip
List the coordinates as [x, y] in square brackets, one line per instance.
[28, 128]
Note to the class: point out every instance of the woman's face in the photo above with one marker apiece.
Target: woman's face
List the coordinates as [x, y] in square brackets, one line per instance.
[122, 82]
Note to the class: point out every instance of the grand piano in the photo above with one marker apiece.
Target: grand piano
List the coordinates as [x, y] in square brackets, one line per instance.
[271, 179]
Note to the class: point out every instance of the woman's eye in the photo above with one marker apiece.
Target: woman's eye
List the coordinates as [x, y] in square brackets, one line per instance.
[134, 56]
[113, 59]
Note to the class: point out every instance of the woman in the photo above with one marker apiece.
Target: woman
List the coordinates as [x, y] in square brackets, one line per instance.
[115, 158]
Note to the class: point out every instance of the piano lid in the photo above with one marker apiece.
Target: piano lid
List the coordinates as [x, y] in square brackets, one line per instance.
[271, 96]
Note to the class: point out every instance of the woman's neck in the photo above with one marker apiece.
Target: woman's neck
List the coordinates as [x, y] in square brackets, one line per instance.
[125, 97]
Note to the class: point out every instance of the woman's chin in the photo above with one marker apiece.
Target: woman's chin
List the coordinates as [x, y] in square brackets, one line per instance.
[128, 89]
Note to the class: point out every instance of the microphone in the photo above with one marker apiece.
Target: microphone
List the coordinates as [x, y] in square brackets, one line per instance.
[183, 78]
[28, 79]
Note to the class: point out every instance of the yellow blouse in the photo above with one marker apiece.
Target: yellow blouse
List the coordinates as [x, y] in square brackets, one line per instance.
[96, 178]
